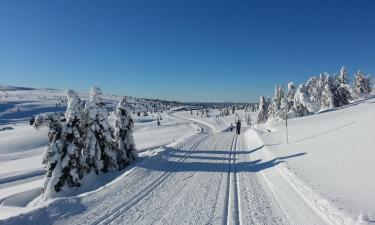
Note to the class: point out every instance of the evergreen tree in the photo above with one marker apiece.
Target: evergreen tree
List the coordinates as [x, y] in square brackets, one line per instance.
[343, 76]
[72, 139]
[361, 84]
[53, 154]
[124, 135]
[263, 111]
[301, 100]
[327, 96]
[98, 152]
[341, 91]
[276, 108]
[290, 95]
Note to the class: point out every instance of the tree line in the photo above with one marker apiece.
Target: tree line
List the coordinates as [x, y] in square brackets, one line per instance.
[317, 94]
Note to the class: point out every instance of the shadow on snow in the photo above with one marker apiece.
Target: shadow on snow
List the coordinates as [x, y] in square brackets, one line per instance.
[209, 161]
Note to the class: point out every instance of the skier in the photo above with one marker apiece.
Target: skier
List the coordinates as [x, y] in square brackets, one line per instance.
[231, 127]
[238, 124]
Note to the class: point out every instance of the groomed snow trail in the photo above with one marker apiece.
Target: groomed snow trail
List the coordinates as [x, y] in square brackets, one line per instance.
[212, 178]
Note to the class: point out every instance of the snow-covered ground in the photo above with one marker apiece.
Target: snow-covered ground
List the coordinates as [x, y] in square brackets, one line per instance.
[339, 155]
[21, 146]
[193, 170]
[218, 123]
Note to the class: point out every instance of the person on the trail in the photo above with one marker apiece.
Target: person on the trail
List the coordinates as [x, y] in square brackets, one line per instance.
[231, 127]
[238, 127]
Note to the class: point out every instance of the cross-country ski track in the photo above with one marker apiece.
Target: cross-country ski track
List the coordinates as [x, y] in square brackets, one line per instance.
[209, 178]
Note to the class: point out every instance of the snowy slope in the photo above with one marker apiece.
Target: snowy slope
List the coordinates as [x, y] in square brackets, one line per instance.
[339, 155]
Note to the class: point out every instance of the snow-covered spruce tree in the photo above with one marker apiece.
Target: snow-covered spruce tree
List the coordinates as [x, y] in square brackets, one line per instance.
[98, 152]
[326, 100]
[126, 151]
[276, 109]
[53, 154]
[72, 145]
[263, 111]
[301, 100]
[341, 90]
[324, 93]
[343, 76]
[361, 84]
[290, 95]
[314, 90]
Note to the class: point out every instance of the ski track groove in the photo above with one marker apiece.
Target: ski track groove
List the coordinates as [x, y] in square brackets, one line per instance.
[261, 204]
[232, 208]
[116, 212]
[189, 195]
[238, 191]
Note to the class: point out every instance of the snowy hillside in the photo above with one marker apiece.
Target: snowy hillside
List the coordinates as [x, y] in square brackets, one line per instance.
[339, 155]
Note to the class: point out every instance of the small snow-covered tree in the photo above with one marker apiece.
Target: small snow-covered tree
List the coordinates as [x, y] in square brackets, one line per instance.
[263, 111]
[98, 151]
[301, 101]
[290, 95]
[343, 76]
[126, 151]
[327, 97]
[276, 109]
[361, 84]
[53, 154]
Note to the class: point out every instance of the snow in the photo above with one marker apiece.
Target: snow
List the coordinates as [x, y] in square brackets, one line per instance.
[21, 146]
[338, 148]
[193, 170]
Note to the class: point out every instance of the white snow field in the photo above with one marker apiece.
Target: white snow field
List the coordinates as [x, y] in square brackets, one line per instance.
[323, 176]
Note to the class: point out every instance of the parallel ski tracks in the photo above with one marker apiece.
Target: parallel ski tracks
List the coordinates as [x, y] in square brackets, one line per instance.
[121, 209]
[232, 211]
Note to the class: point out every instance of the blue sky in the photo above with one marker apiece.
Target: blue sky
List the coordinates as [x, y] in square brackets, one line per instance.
[191, 50]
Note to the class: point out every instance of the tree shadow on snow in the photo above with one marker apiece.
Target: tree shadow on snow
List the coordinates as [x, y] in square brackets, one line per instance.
[198, 160]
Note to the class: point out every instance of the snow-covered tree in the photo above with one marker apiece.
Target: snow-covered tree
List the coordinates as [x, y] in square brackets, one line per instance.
[53, 151]
[301, 101]
[263, 111]
[343, 76]
[290, 95]
[326, 100]
[361, 84]
[277, 108]
[126, 151]
[72, 136]
[98, 152]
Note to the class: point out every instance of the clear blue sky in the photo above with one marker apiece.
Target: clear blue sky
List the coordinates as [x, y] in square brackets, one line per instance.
[191, 50]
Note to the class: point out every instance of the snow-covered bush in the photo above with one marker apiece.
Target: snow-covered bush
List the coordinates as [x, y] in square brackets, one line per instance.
[124, 124]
